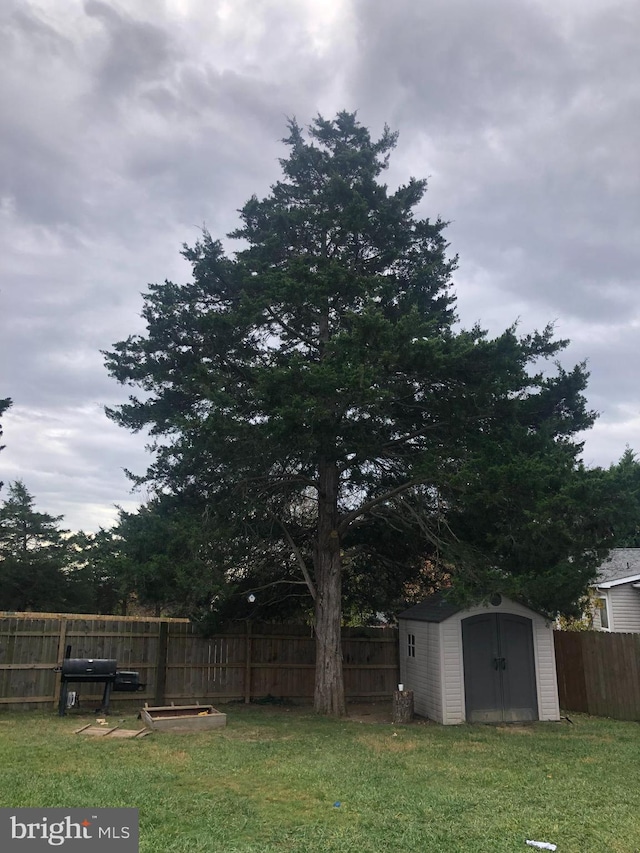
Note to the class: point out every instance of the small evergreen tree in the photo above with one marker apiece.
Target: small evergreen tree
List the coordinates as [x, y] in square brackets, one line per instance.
[4, 405]
[34, 554]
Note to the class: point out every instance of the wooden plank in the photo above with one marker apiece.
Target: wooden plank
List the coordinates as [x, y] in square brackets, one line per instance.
[98, 731]
[128, 733]
[633, 674]
[50, 666]
[161, 663]
[19, 700]
[109, 634]
[55, 633]
[570, 671]
[27, 614]
[62, 642]
[247, 664]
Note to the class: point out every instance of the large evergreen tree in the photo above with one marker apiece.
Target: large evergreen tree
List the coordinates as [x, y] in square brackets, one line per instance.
[314, 390]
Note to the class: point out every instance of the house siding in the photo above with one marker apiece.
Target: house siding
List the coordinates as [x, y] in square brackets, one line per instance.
[597, 621]
[624, 608]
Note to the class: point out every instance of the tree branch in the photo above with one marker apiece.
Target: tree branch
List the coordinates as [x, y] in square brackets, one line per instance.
[297, 554]
[367, 505]
[311, 344]
[277, 480]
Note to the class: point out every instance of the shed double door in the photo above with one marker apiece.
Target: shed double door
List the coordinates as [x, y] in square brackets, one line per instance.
[499, 668]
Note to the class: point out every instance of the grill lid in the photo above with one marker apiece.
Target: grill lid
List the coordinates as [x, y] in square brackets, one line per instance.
[87, 669]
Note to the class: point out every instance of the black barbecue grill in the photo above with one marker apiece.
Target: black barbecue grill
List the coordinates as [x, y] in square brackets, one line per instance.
[96, 671]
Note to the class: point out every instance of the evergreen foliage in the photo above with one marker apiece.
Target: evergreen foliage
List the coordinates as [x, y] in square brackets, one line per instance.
[4, 405]
[33, 555]
[622, 480]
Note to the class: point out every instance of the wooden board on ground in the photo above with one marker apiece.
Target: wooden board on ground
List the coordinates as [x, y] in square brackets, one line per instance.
[113, 732]
[183, 718]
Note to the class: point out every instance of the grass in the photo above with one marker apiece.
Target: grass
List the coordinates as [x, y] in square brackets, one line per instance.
[270, 780]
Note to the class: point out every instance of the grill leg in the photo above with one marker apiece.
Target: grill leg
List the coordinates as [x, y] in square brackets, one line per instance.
[64, 691]
[106, 697]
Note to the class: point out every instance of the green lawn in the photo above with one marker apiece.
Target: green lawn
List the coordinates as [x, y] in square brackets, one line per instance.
[270, 779]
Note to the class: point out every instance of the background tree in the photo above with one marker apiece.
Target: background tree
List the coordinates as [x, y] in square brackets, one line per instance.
[314, 386]
[4, 405]
[34, 555]
[623, 480]
[98, 576]
[165, 558]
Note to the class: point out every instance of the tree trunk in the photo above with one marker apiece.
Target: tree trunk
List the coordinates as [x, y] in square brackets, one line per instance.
[329, 684]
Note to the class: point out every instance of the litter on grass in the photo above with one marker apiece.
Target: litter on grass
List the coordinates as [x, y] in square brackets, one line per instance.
[543, 845]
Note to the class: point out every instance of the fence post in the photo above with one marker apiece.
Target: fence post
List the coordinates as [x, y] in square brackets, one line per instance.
[62, 639]
[247, 664]
[161, 664]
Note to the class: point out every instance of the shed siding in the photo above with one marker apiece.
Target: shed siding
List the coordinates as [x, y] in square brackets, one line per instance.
[417, 673]
[433, 703]
[624, 604]
[453, 671]
[436, 674]
[546, 677]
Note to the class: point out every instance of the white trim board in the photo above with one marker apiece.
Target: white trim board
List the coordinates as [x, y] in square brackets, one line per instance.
[618, 582]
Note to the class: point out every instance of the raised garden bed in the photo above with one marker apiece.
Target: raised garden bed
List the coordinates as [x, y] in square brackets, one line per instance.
[182, 718]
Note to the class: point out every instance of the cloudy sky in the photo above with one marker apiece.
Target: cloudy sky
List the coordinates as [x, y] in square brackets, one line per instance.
[127, 125]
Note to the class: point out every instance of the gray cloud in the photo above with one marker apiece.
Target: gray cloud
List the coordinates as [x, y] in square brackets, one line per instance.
[136, 52]
[533, 122]
[126, 128]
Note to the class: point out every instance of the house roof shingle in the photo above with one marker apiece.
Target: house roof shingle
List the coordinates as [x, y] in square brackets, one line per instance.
[621, 563]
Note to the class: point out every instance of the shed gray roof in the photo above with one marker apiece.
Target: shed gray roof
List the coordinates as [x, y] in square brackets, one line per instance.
[621, 563]
[435, 608]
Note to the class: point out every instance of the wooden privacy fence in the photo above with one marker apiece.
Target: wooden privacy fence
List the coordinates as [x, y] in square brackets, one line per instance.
[247, 661]
[599, 673]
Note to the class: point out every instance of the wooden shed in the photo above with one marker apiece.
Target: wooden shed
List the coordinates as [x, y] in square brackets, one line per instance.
[490, 663]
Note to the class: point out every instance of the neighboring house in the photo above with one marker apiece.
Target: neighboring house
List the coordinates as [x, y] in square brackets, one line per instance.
[617, 592]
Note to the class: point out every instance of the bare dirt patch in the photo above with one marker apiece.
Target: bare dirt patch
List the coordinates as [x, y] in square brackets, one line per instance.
[512, 729]
[369, 712]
